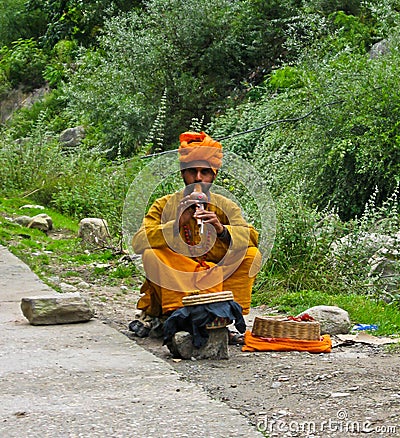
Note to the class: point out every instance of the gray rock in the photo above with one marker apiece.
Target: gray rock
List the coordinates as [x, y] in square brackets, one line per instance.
[379, 49]
[216, 348]
[181, 345]
[333, 319]
[384, 274]
[72, 137]
[62, 309]
[42, 222]
[67, 288]
[23, 220]
[379, 253]
[39, 223]
[83, 285]
[368, 243]
[54, 279]
[94, 231]
[37, 207]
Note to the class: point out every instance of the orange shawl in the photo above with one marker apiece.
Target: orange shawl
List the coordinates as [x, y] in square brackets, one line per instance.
[258, 343]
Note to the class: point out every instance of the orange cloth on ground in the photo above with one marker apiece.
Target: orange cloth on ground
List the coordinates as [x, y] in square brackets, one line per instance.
[258, 343]
[198, 146]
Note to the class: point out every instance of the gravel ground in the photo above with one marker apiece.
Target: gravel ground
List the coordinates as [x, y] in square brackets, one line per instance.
[353, 390]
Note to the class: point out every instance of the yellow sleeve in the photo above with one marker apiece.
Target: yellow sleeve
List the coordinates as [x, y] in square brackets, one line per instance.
[157, 229]
[242, 234]
[151, 233]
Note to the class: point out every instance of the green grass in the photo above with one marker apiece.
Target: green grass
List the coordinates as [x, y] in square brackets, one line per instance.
[12, 207]
[61, 252]
[361, 309]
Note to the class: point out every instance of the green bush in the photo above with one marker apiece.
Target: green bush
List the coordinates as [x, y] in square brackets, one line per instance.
[45, 111]
[76, 20]
[285, 77]
[23, 64]
[80, 183]
[330, 6]
[27, 162]
[17, 22]
[317, 251]
[5, 85]
[336, 136]
[92, 188]
[196, 52]
[62, 56]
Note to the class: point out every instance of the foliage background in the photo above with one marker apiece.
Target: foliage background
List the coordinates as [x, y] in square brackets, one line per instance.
[135, 74]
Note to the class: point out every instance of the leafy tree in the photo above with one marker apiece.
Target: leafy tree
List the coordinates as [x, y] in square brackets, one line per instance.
[61, 57]
[349, 7]
[23, 63]
[345, 142]
[197, 52]
[77, 19]
[16, 22]
[362, 149]
[262, 30]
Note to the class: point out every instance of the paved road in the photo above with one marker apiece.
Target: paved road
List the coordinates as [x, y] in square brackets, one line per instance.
[88, 380]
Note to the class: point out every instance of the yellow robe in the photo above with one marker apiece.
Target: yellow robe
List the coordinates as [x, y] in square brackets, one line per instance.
[175, 269]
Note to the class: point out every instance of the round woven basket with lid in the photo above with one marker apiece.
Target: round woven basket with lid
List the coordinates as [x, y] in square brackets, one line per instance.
[215, 297]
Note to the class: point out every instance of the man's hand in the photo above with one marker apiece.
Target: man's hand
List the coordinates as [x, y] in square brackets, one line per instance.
[209, 217]
[185, 212]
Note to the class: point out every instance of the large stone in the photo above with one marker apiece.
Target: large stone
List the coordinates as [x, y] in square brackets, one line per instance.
[379, 49]
[32, 206]
[60, 309]
[72, 137]
[67, 288]
[333, 319]
[378, 252]
[24, 221]
[94, 231]
[216, 347]
[42, 222]
[367, 243]
[384, 274]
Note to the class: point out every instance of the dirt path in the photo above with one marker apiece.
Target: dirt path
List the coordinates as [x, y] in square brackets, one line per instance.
[353, 390]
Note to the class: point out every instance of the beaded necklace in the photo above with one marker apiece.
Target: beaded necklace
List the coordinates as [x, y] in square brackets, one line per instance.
[189, 241]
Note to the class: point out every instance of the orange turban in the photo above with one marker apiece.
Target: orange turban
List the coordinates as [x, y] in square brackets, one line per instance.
[198, 146]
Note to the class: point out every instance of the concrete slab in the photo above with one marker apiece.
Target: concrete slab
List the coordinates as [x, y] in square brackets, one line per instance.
[88, 380]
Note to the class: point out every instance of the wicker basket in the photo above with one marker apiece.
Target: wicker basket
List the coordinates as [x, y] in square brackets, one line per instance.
[215, 297]
[281, 327]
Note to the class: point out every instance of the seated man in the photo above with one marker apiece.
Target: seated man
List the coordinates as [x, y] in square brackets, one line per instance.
[195, 241]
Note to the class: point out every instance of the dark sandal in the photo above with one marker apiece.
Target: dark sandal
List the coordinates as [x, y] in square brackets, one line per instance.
[236, 338]
[139, 329]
